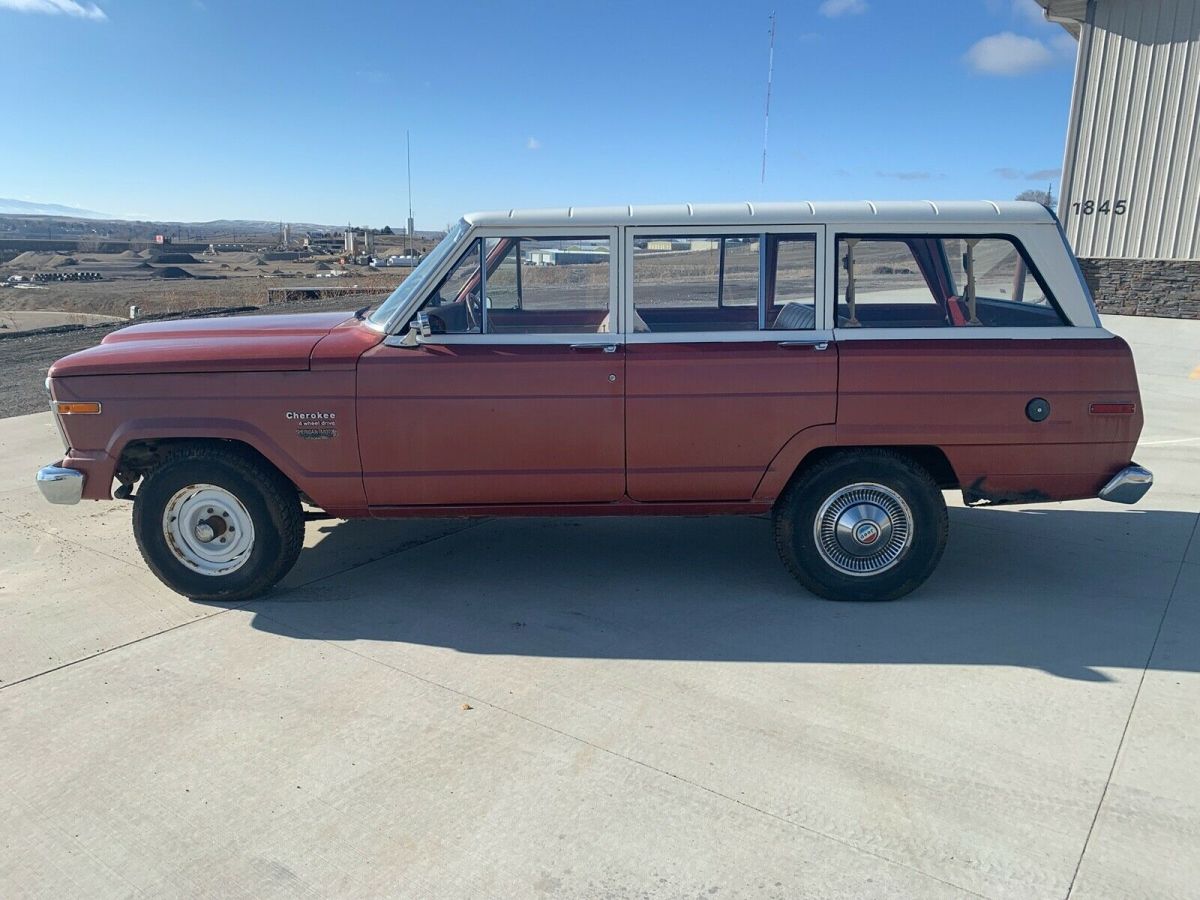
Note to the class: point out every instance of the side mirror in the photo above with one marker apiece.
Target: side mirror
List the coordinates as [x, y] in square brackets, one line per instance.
[422, 325]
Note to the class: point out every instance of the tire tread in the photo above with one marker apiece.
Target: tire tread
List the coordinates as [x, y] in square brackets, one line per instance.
[786, 510]
[278, 494]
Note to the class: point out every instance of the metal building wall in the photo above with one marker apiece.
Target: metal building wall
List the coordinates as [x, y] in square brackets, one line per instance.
[1134, 131]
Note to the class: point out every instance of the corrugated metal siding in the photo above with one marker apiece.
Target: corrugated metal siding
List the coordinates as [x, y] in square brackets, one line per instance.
[1135, 131]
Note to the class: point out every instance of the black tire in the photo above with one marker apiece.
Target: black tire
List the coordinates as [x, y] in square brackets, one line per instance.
[272, 503]
[903, 567]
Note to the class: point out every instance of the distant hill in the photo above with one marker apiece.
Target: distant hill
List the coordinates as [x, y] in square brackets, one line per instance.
[10, 207]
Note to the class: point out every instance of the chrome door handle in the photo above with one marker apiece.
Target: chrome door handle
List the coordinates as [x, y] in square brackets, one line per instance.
[607, 348]
[816, 345]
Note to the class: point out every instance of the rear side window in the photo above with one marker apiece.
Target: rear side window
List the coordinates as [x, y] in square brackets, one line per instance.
[703, 282]
[915, 281]
[1002, 277]
[882, 284]
[719, 283]
[791, 301]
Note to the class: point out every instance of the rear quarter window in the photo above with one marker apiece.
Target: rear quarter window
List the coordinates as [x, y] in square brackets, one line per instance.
[939, 281]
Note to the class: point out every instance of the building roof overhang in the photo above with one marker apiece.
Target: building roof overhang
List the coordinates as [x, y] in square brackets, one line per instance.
[1070, 14]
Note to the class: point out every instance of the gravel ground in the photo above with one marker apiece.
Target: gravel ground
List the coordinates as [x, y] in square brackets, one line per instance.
[24, 360]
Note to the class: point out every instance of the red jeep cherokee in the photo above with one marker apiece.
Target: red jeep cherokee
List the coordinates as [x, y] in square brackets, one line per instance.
[836, 364]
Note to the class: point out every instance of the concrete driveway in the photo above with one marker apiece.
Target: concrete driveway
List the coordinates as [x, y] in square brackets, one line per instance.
[613, 708]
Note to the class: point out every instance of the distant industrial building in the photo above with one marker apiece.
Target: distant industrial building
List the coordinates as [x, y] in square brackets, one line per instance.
[1130, 198]
[549, 257]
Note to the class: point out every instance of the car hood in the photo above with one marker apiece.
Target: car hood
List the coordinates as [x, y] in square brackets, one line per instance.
[241, 344]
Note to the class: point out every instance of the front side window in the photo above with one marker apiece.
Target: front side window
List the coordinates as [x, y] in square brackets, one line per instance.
[547, 285]
[454, 306]
[921, 281]
[715, 282]
[524, 285]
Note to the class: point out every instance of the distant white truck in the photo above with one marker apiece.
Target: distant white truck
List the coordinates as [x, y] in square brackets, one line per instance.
[396, 261]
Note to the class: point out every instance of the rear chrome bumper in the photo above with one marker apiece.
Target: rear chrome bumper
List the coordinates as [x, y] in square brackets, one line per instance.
[59, 485]
[1128, 486]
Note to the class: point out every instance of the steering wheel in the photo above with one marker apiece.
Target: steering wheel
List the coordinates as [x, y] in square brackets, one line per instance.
[474, 309]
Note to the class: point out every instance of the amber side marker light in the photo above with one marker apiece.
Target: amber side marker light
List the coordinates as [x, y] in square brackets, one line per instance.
[1111, 409]
[63, 408]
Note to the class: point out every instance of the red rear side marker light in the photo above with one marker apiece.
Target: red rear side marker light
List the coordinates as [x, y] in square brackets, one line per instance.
[1111, 409]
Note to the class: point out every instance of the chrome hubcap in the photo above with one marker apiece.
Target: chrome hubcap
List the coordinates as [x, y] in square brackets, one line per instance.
[863, 529]
[208, 529]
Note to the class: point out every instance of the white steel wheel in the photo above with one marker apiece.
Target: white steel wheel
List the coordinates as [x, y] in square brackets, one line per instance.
[863, 529]
[208, 529]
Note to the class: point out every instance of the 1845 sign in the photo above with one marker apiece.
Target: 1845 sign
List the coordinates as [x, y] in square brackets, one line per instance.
[1088, 207]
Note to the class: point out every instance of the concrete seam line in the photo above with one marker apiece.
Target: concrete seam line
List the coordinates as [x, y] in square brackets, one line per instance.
[633, 760]
[107, 650]
[1132, 706]
[241, 605]
[73, 543]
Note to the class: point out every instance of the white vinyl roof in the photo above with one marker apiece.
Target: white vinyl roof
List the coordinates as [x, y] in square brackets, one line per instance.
[899, 212]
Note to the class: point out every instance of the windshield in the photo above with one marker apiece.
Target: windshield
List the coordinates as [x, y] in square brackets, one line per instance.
[419, 277]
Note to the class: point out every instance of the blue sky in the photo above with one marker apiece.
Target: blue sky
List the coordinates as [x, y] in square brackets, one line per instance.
[200, 109]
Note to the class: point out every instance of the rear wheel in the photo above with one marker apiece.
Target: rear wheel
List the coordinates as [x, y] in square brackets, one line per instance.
[216, 524]
[862, 525]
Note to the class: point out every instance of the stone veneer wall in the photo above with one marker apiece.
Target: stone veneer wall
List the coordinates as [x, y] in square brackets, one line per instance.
[1145, 287]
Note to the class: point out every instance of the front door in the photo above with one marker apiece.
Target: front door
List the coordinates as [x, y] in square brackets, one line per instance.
[731, 357]
[517, 397]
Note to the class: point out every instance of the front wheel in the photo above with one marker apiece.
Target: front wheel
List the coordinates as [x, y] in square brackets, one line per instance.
[215, 524]
[862, 525]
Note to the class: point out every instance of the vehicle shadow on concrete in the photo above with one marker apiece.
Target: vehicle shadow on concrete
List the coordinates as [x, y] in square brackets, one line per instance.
[1069, 592]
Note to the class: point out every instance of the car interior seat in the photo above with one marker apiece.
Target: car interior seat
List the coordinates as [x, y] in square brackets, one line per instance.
[639, 324]
[796, 317]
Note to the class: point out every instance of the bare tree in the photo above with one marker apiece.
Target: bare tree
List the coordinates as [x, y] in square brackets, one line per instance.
[1046, 197]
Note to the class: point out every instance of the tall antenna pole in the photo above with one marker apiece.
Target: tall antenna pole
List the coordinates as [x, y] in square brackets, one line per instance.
[767, 111]
[408, 225]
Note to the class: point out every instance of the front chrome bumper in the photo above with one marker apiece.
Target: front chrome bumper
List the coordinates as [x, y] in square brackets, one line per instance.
[1128, 486]
[59, 485]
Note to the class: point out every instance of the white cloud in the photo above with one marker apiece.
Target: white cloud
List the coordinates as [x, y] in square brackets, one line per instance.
[917, 175]
[1008, 54]
[533, 144]
[1026, 174]
[831, 9]
[82, 10]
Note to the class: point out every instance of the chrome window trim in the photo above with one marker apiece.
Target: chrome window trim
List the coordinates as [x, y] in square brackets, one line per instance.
[512, 340]
[965, 333]
[401, 317]
[809, 336]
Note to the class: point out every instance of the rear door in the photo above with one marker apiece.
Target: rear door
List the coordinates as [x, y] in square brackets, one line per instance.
[728, 355]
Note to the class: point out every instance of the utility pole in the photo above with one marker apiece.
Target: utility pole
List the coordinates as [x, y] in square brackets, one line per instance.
[767, 111]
